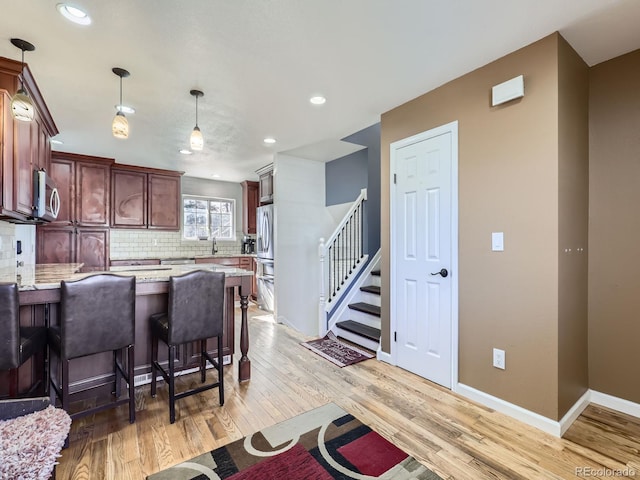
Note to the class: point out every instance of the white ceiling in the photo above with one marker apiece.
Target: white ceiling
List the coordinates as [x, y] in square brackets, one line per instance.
[259, 61]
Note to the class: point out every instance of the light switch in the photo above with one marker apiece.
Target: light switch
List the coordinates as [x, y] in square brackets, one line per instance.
[497, 241]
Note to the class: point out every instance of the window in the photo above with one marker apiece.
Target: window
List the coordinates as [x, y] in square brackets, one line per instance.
[206, 218]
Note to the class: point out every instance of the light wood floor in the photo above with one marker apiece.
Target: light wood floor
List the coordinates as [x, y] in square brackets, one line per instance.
[450, 435]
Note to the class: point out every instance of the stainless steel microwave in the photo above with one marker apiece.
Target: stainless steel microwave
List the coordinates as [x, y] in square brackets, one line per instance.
[46, 199]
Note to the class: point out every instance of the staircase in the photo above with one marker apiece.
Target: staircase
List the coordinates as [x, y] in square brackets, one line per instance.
[359, 323]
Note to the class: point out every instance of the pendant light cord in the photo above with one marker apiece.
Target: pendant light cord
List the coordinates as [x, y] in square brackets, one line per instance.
[197, 110]
[22, 76]
[120, 108]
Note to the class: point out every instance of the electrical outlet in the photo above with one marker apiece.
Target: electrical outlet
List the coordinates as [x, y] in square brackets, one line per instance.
[155, 242]
[499, 360]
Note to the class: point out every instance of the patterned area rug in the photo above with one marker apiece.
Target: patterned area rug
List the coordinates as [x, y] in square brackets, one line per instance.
[340, 353]
[322, 444]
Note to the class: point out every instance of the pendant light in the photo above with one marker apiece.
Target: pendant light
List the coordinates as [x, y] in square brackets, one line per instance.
[21, 105]
[196, 140]
[120, 125]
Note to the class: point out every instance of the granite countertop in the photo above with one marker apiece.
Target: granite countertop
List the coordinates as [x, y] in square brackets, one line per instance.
[48, 276]
[225, 255]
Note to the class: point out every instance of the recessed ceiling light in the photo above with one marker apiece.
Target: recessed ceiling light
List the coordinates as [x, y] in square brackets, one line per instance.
[184, 151]
[125, 109]
[318, 100]
[269, 140]
[74, 14]
[57, 142]
[215, 175]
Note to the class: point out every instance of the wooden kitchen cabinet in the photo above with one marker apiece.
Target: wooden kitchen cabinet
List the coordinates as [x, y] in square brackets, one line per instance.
[129, 194]
[164, 202]
[25, 146]
[145, 198]
[80, 234]
[84, 186]
[250, 201]
[6, 154]
[265, 174]
[74, 245]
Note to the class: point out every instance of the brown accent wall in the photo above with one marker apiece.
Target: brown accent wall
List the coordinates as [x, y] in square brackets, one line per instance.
[614, 229]
[508, 181]
[573, 212]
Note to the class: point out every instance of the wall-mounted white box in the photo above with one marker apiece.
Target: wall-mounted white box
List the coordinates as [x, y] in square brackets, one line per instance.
[506, 91]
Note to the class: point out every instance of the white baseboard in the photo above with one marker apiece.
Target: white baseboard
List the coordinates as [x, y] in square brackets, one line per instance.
[536, 420]
[385, 357]
[615, 403]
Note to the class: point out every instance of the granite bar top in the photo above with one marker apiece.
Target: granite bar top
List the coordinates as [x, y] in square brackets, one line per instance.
[48, 276]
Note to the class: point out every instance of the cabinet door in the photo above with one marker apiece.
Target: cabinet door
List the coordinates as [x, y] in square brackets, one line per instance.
[92, 194]
[92, 248]
[6, 153]
[266, 187]
[164, 202]
[129, 199]
[24, 179]
[55, 245]
[250, 201]
[62, 174]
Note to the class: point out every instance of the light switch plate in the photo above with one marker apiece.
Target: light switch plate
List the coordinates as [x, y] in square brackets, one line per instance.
[497, 241]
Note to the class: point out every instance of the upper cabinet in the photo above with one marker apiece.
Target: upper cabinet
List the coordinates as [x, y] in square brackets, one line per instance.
[265, 175]
[24, 146]
[250, 201]
[84, 185]
[129, 195]
[164, 204]
[145, 198]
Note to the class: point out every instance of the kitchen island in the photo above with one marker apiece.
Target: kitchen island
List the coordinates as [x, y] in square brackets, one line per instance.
[39, 287]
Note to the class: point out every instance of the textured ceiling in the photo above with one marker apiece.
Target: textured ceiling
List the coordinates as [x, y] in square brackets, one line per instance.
[259, 61]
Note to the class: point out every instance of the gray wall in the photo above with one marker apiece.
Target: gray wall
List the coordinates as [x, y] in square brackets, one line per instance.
[345, 177]
[370, 138]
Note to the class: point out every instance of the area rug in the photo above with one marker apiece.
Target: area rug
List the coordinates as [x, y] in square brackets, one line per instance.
[30, 445]
[322, 444]
[340, 353]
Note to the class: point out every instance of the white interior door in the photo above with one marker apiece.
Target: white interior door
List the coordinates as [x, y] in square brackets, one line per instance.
[422, 255]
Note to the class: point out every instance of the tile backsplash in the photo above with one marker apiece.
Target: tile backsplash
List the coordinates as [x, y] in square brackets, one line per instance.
[7, 249]
[138, 244]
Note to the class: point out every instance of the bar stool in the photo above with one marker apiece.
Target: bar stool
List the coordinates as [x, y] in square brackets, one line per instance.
[17, 344]
[195, 313]
[97, 314]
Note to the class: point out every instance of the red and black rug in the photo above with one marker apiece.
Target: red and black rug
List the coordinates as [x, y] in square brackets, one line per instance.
[337, 352]
[322, 444]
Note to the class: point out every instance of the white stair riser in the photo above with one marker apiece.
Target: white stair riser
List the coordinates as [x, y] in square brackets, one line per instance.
[357, 339]
[363, 318]
[370, 298]
[374, 280]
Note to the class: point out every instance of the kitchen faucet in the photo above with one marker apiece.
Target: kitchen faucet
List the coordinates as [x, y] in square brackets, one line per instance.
[214, 248]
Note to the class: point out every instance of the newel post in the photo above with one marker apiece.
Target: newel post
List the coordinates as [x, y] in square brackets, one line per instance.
[322, 314]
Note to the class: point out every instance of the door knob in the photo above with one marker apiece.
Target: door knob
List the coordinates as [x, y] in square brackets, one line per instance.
[442, 272]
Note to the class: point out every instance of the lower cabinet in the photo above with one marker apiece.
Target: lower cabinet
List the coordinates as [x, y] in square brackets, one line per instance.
[74, 245]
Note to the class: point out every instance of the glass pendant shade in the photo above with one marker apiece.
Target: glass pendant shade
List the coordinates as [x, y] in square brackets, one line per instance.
[120, 126]
[196, 140]
[22, 107]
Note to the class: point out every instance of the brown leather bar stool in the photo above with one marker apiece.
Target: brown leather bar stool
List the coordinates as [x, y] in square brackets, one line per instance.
[97, 314]
[195, 313]
[17, 344]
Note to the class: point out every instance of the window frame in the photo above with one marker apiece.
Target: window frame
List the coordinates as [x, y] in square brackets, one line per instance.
[208, 200]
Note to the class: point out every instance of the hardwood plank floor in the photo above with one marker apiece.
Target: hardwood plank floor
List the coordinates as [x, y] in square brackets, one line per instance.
[454, 437]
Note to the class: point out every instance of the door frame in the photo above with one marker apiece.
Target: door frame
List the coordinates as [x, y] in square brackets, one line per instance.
[394, 147]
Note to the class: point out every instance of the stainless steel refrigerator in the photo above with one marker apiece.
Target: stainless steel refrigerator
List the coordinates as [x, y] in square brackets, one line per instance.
[264, 252]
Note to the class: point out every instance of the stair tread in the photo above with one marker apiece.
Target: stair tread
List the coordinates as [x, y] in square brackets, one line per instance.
[371, 289]
[375, 273]
[366, 331]
[366, 308]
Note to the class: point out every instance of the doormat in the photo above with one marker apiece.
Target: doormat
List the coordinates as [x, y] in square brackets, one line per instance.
[337, 352]
[323, 444]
